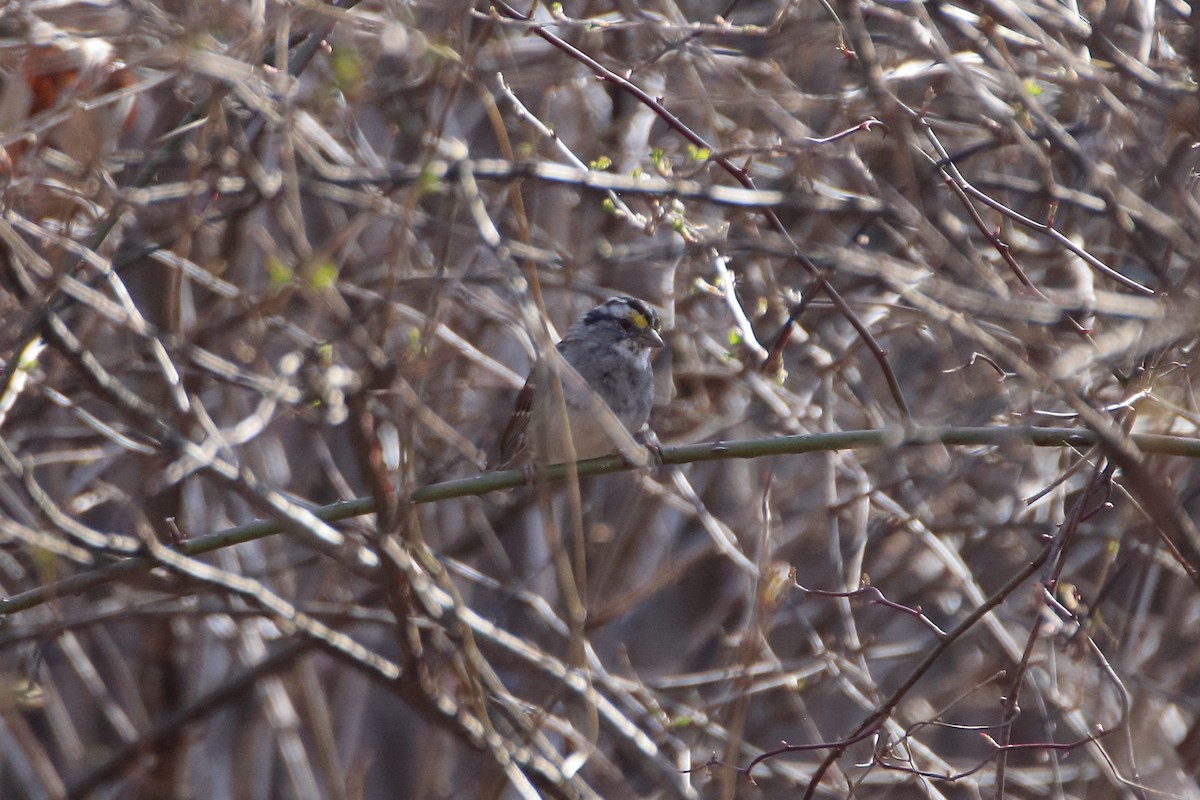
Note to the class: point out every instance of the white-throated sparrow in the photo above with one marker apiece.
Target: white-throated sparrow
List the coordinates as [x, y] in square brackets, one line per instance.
[607, 388]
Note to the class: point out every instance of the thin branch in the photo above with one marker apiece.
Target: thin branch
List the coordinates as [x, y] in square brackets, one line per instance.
[683, 454]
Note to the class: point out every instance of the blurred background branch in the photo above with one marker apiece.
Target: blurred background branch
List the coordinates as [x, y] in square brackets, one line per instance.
[279, 269]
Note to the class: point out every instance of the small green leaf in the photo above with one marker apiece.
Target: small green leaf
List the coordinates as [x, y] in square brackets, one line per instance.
[428, 181]
[279, 273]
[1032, 88]
[657, 155]
[323, 275]
[45, 562]
[30, 354]
[445, 52]
[347, 68]
[608, 206]
[698, 153]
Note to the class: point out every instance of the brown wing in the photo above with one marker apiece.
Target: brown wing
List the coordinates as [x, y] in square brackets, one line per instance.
[512, 441]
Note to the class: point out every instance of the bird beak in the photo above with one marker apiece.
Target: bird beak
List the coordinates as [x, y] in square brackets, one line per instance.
[648, 337]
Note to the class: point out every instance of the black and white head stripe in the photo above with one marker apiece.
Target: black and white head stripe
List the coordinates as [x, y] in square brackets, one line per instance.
[628, 309]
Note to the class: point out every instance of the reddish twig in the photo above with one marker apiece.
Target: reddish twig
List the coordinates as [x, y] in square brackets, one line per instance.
[966, 191]
[877, 598]
[873, 722]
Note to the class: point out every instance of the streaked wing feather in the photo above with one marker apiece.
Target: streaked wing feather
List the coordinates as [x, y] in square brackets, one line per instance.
[512, 441]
